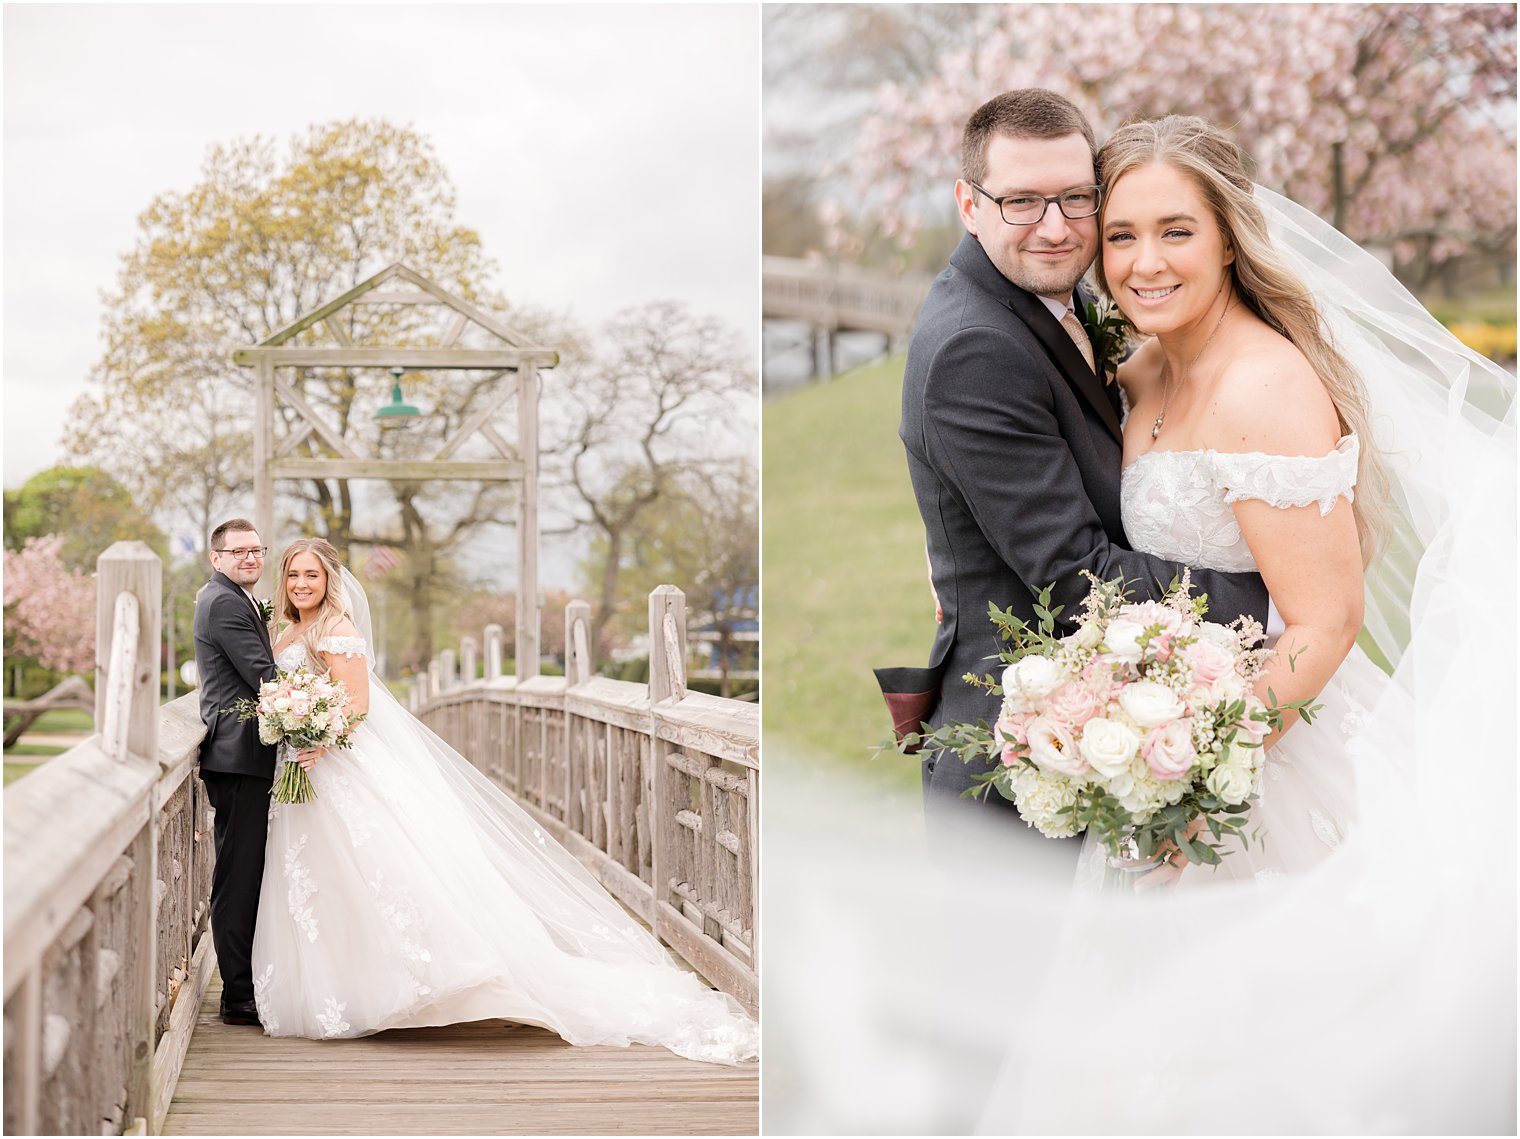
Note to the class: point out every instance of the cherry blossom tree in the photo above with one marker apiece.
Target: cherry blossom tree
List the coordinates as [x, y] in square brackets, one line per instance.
[49, 607]
[1395, 122]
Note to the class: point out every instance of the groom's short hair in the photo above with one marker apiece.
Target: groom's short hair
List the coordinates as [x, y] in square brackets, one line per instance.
[1030, 112]
[231, 524]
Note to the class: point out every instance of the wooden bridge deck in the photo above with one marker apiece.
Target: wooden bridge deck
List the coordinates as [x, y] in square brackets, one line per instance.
[486, 1078]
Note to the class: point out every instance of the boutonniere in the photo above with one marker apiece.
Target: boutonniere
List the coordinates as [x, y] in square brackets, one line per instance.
[1110, 335]
[266, 610]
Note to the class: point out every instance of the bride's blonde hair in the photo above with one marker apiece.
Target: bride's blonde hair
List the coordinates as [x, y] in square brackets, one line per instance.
[1261, 278]
[334, 607]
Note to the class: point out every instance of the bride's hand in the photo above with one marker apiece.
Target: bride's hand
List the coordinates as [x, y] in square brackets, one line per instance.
[307, 757]
[1165, 875]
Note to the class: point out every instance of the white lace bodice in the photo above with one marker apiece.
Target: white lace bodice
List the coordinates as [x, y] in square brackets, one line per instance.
[1176, 504]
[293, 655]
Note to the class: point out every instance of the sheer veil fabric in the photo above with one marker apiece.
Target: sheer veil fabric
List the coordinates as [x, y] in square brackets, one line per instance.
[413, 892]
[1371, 993]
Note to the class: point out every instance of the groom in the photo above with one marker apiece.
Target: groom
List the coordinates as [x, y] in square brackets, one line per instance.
[233, 656]
[1013, 439]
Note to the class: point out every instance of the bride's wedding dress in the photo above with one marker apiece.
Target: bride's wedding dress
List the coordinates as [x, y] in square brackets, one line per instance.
[1356, 974]
[412, 892]
[1178, 505]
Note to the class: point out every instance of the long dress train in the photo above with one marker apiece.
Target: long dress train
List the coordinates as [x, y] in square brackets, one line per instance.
[412, 891]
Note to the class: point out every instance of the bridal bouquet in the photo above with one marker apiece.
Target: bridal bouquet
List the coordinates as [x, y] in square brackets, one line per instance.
[297, 710]
[1134, 727]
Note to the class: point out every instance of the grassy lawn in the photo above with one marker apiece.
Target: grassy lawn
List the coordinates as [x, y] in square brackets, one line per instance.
[14, 771]
[64, 720]
[844, 576]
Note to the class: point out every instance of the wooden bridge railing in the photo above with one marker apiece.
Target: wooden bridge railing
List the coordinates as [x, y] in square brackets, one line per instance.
[841, 296]
[108, 857]
[655, 788]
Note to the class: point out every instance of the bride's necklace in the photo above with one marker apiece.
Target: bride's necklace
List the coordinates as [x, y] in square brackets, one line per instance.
[1166, 369]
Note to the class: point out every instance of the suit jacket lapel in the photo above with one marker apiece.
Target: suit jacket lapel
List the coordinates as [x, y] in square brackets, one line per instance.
[236, 588]
[971, 259]
[1032, 311]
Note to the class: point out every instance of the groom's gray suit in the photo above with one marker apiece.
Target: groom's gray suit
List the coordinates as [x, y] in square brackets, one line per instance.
[1014, 449]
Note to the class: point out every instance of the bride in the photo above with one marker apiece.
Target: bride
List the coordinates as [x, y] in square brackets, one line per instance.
[412, 891]
[1356, 973]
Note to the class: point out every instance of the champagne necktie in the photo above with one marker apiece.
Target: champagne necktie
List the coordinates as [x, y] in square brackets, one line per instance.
[1078, 336]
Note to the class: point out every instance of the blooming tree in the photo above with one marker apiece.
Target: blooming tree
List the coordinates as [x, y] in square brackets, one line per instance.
[49, 607]
[1395, 122]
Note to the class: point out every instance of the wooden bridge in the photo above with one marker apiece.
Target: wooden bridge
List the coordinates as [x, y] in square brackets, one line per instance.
[110, 976]
[830, 298]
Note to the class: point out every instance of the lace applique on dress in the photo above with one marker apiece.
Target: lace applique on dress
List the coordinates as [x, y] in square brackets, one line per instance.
[299, 889]
[1327, 831]
[403, 915]
[331, 1018]
[339, 789]
[342, 646]
[261, 999]
[1289, 480]
[1177, 504]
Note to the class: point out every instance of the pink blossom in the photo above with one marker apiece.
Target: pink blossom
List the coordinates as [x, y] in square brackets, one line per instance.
[1053, 747]
[1073, 704]
[1208, 661]
[1016, 726]
[1169, 750]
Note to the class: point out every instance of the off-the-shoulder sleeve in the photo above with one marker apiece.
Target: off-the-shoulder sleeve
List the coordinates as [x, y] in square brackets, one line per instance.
[1289, 480]
[342, 646]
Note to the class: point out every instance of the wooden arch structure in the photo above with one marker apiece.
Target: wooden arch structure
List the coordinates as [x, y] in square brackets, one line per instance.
[514, 362]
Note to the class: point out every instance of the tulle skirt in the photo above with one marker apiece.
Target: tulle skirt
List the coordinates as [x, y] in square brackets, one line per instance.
[414, 892]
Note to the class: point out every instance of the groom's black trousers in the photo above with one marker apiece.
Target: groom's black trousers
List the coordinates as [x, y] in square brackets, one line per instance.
[241, 803]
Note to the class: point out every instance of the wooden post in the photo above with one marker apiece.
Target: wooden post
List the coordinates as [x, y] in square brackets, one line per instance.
[529, 613]
[667, 644]
[493, 652]
[263, 459]
[434, 678]
[578, 663]
[133, 568]
[449, 678]
[467, 660]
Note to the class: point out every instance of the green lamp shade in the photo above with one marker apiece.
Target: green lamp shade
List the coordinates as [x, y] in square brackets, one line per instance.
[397, 411]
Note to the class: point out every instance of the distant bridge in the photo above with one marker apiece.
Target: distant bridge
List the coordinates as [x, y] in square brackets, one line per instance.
[830, 299]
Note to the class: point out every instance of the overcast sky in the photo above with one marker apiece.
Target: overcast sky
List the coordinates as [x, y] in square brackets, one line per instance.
[543, 116]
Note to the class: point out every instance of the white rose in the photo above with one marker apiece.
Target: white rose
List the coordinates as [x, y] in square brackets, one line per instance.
[1035, 677]
[282, 704]
[1089, 636]
[1123, 640]
[1108, 746]
[1150, 704]
[1231, 782]
[1217, 635]
[1229, 687]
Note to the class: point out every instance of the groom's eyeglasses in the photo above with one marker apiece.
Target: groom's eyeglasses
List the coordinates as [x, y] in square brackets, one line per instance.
[1023, 207]
[246, 552]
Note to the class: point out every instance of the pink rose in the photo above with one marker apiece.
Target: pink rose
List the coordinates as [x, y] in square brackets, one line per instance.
[1073, 704]
[1168, 750]
[1208, 661]
[300, 704]
[1052, 746]
[1016, 726]
[1250, 731]
[1148, 613]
